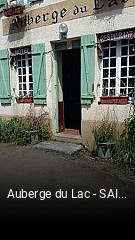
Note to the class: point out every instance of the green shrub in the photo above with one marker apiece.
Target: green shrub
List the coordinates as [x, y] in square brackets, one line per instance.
[125, 146]
[105, 132]
[16, 129]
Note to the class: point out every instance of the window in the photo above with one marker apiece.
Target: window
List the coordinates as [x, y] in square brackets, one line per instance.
[24, 71]
[23, 2]
[118, 68]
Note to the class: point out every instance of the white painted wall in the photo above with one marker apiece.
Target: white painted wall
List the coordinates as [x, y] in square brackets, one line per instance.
[112, 21]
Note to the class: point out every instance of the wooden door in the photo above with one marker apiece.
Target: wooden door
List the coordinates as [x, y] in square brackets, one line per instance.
[61, 116]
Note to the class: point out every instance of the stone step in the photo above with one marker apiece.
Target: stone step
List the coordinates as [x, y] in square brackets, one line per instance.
[67, 148]
[69, 138]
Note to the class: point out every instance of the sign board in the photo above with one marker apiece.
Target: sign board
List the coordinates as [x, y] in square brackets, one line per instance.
[63, 35]
[60, 12]
[115, 36]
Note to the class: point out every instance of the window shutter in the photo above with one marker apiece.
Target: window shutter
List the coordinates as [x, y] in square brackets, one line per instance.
[87, 68]
[2, 4]
[5, 95]
[30, 1]
[38, 73]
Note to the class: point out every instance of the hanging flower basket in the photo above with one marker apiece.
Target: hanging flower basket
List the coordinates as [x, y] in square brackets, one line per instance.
[25, 99]
[114, 99]
[13, 10]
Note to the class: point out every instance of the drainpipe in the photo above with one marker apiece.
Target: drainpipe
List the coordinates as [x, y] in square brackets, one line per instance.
[134, 98]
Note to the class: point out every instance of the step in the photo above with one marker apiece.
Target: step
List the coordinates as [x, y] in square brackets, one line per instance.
[69, 138]
[67, 148]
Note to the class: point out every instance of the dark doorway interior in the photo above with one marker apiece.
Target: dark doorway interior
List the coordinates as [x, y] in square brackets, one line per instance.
[71, 88]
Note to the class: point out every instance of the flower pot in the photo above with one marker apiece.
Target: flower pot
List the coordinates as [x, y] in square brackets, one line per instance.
[114, 99]
[19, 99]
[13, 11]
[105, 150]
[28, 99]
[33, 136]
[25, 99]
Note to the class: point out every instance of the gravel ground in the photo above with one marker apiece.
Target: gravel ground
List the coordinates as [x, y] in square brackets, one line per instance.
[81, 178]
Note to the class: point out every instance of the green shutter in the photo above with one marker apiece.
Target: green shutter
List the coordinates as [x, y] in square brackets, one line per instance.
[5, 95]
[30, 1]
[87, 68]
[2, 4]
[38, 73]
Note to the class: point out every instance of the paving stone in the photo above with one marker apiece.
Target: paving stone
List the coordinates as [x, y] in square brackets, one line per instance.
[68, 148]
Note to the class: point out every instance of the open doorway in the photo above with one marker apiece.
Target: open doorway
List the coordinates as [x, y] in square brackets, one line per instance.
[71, 91]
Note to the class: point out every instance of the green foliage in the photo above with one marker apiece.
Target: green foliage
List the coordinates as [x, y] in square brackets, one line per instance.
[125, 146]
[12, 131]
[105, 132]
[16, 129]
[130, 129]
[45, 132]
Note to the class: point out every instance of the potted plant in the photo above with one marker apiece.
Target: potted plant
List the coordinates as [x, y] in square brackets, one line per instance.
[33, 128]
[13, 9]
[105, 136]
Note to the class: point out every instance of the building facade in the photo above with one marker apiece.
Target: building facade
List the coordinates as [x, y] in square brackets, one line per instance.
[73, 60]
